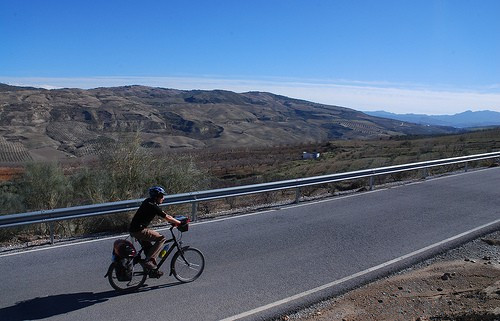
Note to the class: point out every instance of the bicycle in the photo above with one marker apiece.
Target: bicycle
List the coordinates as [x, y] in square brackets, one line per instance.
[187, 264]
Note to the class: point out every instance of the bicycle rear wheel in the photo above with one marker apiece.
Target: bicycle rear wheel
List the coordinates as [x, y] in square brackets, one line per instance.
[187, 264]
[139, 276]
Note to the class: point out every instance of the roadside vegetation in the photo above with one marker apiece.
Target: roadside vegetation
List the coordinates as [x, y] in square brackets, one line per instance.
[125, 170]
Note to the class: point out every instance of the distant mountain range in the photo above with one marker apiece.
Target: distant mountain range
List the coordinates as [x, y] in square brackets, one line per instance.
[41, 124]
[468, 119]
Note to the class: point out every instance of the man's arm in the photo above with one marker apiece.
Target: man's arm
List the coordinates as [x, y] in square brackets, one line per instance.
[172, 220]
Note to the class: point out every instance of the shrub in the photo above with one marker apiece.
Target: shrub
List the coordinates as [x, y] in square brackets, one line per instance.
[179, 174]
[10, 200]
[126, 165]
[44, 186]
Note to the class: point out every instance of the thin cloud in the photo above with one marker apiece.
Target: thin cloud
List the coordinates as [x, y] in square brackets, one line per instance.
[359, 95]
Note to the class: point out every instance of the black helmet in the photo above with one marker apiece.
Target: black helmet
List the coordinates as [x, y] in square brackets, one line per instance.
[156, 191]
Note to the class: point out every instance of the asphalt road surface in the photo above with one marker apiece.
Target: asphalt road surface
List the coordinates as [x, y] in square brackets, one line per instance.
[262, 264]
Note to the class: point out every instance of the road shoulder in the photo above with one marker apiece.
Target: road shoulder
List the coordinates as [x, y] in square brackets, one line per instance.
[461, 284]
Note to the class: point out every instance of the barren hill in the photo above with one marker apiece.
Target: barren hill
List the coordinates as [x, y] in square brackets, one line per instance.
[63, 123]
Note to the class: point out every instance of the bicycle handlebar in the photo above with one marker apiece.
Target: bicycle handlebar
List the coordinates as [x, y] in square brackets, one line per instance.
[172, 225]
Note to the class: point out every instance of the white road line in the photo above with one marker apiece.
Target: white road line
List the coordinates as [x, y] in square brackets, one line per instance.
[353, 276]
[231, 217]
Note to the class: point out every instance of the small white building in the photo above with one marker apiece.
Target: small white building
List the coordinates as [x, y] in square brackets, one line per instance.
[307, 155]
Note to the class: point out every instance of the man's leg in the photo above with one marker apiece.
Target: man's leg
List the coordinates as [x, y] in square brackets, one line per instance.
[151, 236]
[146, 246]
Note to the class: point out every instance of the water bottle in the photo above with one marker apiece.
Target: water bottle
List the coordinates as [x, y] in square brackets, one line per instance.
[164, 251]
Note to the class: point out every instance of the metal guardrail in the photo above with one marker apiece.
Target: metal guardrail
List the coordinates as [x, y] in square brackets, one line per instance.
[59, 214]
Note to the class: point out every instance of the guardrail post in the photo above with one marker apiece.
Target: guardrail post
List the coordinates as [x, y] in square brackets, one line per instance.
[425, 173]
[51, 229]
[194, 209]
[297, 195]
[371, 183]
[466, 166]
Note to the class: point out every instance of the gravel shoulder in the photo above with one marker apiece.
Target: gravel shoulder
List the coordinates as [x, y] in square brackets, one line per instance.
[462, 284]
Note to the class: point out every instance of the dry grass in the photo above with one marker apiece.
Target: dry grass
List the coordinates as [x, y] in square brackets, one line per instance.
[245, 165]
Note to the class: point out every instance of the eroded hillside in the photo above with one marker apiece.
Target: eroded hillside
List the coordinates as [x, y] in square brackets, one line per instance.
[66, 123]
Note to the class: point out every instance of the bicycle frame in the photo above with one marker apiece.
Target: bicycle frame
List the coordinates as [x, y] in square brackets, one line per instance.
[176, 245]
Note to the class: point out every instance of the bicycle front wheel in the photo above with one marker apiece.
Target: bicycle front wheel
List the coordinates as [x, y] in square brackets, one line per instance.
[187, 264]
[131, 283]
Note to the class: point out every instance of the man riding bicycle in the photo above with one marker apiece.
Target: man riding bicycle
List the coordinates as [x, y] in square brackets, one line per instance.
[148, 210]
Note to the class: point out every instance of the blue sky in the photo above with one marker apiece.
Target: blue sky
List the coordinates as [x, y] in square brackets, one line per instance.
[434, 57]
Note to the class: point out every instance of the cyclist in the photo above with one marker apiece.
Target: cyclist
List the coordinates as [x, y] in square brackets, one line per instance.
[148, 210]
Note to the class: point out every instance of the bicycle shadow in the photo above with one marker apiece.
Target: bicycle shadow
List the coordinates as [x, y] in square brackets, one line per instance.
[53, 305]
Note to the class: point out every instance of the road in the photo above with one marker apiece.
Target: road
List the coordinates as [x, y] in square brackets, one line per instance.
[261, 264]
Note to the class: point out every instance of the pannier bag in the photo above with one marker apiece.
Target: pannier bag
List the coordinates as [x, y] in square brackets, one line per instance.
[124, 249]
[124, 269]
[124, 252]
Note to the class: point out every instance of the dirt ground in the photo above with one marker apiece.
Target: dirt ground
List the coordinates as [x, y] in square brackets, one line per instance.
[463, 286]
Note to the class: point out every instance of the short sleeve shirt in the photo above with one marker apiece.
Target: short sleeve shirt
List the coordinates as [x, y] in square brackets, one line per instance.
[145, 214]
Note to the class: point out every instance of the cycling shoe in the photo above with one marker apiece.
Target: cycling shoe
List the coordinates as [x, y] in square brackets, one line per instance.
[155, 274]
